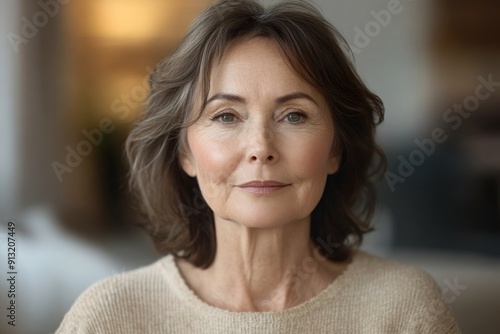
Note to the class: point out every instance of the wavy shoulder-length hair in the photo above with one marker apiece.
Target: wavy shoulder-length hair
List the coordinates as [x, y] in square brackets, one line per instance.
[176, 215]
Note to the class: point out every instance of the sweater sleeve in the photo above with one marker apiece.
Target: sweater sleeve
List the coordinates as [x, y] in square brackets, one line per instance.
[91, 311]
[432, 314]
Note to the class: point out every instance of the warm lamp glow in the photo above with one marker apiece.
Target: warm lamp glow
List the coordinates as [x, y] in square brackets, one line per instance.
[126, 20]
[133, 22]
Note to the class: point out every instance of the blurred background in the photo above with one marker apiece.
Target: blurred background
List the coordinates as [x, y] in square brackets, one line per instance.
[73, 80]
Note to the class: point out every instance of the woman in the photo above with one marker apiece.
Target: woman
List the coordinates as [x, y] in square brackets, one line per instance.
[252, 166]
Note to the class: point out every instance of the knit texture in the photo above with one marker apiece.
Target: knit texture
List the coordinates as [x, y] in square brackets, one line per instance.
[373, 295]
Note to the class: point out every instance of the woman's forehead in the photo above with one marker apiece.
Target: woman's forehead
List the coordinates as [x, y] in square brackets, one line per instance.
[256, 67]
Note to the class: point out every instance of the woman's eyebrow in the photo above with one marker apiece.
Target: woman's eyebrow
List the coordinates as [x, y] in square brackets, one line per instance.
[226, 97]
[294, 96]
[279, 100]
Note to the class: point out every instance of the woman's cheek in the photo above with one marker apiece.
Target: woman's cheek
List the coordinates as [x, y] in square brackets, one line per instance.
[216, 164]
[310, 153]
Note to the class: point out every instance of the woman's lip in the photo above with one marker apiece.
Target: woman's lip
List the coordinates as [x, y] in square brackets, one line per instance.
[262, 187]
[262, 190]
[262, 184]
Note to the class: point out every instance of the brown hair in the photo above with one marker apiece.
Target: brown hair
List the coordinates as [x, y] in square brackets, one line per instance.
[177, 218]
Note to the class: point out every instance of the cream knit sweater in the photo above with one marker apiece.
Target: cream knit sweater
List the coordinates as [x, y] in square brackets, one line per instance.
[372, 296]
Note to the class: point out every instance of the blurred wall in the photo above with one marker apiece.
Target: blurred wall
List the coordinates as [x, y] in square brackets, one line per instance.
[9, 112]
[392, 62]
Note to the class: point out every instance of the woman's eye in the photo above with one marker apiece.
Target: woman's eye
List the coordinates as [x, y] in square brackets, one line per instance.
[295, 117]
[224, 118]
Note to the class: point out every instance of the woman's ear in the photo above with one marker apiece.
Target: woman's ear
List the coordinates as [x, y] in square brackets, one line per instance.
[335, 159]
[334, 163]
[187, 163]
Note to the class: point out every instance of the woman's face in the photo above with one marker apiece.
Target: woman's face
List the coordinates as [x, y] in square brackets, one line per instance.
[263, 147]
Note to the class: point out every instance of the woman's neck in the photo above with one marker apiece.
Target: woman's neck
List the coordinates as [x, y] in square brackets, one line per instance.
[262, 269]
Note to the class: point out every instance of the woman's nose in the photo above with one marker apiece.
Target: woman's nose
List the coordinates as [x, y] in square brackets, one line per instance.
[261, 145]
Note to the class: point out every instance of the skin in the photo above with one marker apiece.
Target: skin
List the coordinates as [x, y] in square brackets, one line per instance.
[263, 122]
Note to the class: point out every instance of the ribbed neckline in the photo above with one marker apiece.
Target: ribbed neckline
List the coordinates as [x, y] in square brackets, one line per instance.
[179, 284]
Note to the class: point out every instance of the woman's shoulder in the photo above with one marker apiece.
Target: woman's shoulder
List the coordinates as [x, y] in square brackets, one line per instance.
[374, 266]
[372, 271]
[124, 283]
[115, 300]
[405, 293]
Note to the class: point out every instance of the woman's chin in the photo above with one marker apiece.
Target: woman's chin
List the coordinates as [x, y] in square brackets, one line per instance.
[262, 220]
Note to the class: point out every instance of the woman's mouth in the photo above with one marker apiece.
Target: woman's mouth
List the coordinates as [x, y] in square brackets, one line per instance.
[262, 187]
